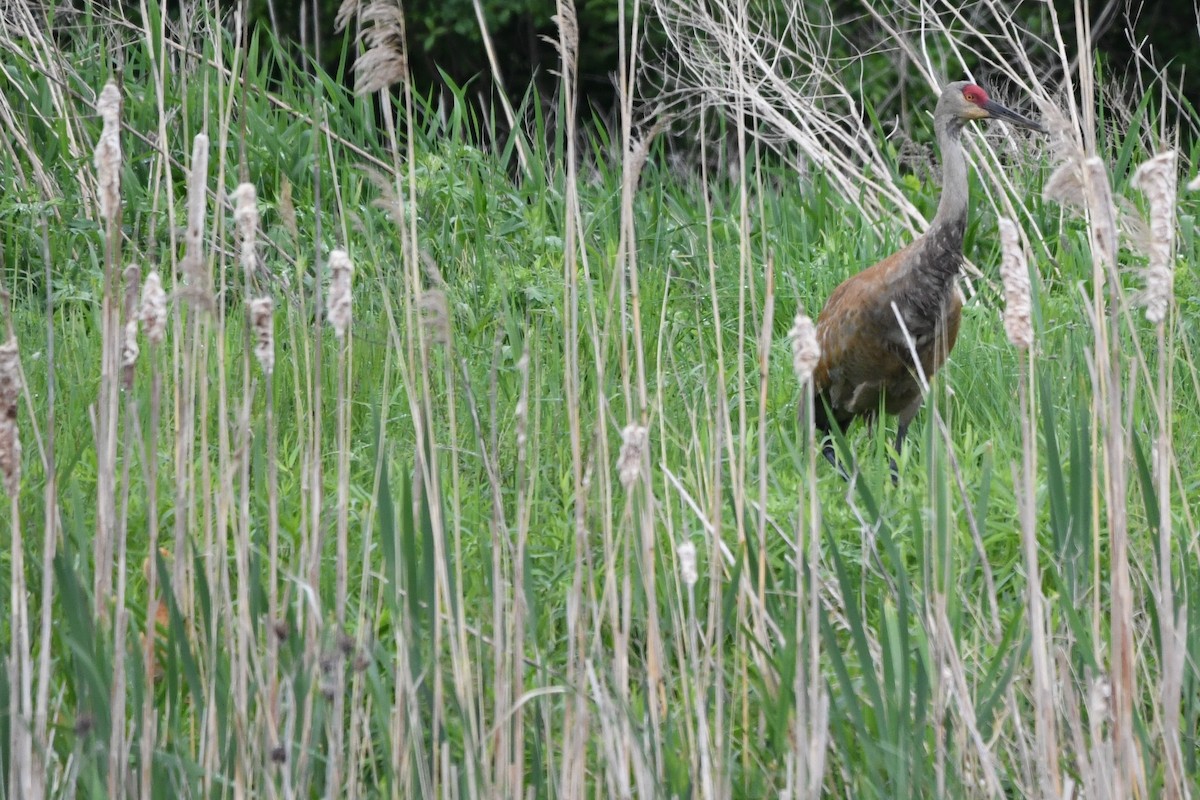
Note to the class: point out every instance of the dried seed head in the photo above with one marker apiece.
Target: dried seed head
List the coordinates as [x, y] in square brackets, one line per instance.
[1015, 274]
[193, 237]
[1156, 179]
[262, 322]
[107, 158]
[385, 61]
[154, 308]
[629, 460]
[129, 352]
[435, 315]
[245, 219]
[10, 440]
[806, 349]
[687, 563]
[1102, 212]
[338, 304]
[1065, 186]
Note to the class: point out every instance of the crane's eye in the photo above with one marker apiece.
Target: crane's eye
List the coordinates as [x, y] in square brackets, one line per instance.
[970, 96]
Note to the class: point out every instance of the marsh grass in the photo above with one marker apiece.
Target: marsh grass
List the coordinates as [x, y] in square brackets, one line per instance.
[530, 511]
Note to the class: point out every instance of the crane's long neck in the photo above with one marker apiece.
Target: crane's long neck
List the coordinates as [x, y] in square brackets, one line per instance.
[951, 218]
[939, 256]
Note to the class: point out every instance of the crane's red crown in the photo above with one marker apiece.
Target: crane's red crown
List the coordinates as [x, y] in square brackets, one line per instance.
[974, 94]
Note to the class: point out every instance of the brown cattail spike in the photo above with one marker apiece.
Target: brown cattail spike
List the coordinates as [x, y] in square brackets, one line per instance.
[10, 440]
[153, 310]
[1014, 272]
[107, 157]
[806, 350]
[262, 323]
[338, 309]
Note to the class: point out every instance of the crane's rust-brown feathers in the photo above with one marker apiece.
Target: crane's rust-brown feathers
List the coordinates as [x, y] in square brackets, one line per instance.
[865, 354]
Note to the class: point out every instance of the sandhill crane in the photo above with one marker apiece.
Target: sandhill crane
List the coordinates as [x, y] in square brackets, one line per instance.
[866, 355]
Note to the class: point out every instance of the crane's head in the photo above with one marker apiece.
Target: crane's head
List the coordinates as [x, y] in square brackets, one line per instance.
[963, 101]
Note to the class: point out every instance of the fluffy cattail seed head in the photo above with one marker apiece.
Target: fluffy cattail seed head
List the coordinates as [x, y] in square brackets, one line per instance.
[193, 237]
[245, 219]
[806, 349]
[153, 311]
[262, 311]
[338, 304]
[1156, 179]
[10, 440]
[1102, 211]
[107, 157]
[129, 352]
[687, 563]
[1014, 272]
[629, 460]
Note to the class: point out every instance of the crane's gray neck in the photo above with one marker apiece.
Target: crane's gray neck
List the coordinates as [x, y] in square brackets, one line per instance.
[939, 257]
[951, 218]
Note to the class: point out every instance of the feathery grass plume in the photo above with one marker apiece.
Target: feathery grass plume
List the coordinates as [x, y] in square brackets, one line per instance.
[10, 393]
[338, 307]
[1015, 275]
[687, 563]
[107, 158]
[1100, 204]
[245, 219]
[262, 311]
[153, 312]
[1156, 179]
[384, 62]
[629, 460]
[435, 316]
[806, 350]
[129, 353]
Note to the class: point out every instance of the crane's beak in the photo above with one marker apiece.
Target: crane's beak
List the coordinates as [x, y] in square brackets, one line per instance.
[997, 111]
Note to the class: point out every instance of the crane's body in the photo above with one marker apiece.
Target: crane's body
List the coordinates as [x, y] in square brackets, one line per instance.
[866, 353]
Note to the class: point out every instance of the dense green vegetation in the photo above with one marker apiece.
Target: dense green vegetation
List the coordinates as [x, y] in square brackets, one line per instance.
[407, 563]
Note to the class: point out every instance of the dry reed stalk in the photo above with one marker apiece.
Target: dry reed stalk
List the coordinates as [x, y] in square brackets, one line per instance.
[1014, 272]
[1156, 179]
[41, 740]
[571, 780]
[1127, 766]
[107, 161]
[23, 781]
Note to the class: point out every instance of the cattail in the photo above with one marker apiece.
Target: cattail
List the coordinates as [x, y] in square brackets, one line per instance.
[153, 312]
[1015, 274]
[806, 350]
[193, 237]
[129, 352]
[687, 563]
[338, 308]
[245, 219]
[107, 157]
[1156, 179]
[629, 460]
[262, 311]
[10, 440]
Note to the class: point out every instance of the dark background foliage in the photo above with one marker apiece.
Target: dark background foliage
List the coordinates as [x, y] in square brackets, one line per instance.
[444, 39]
